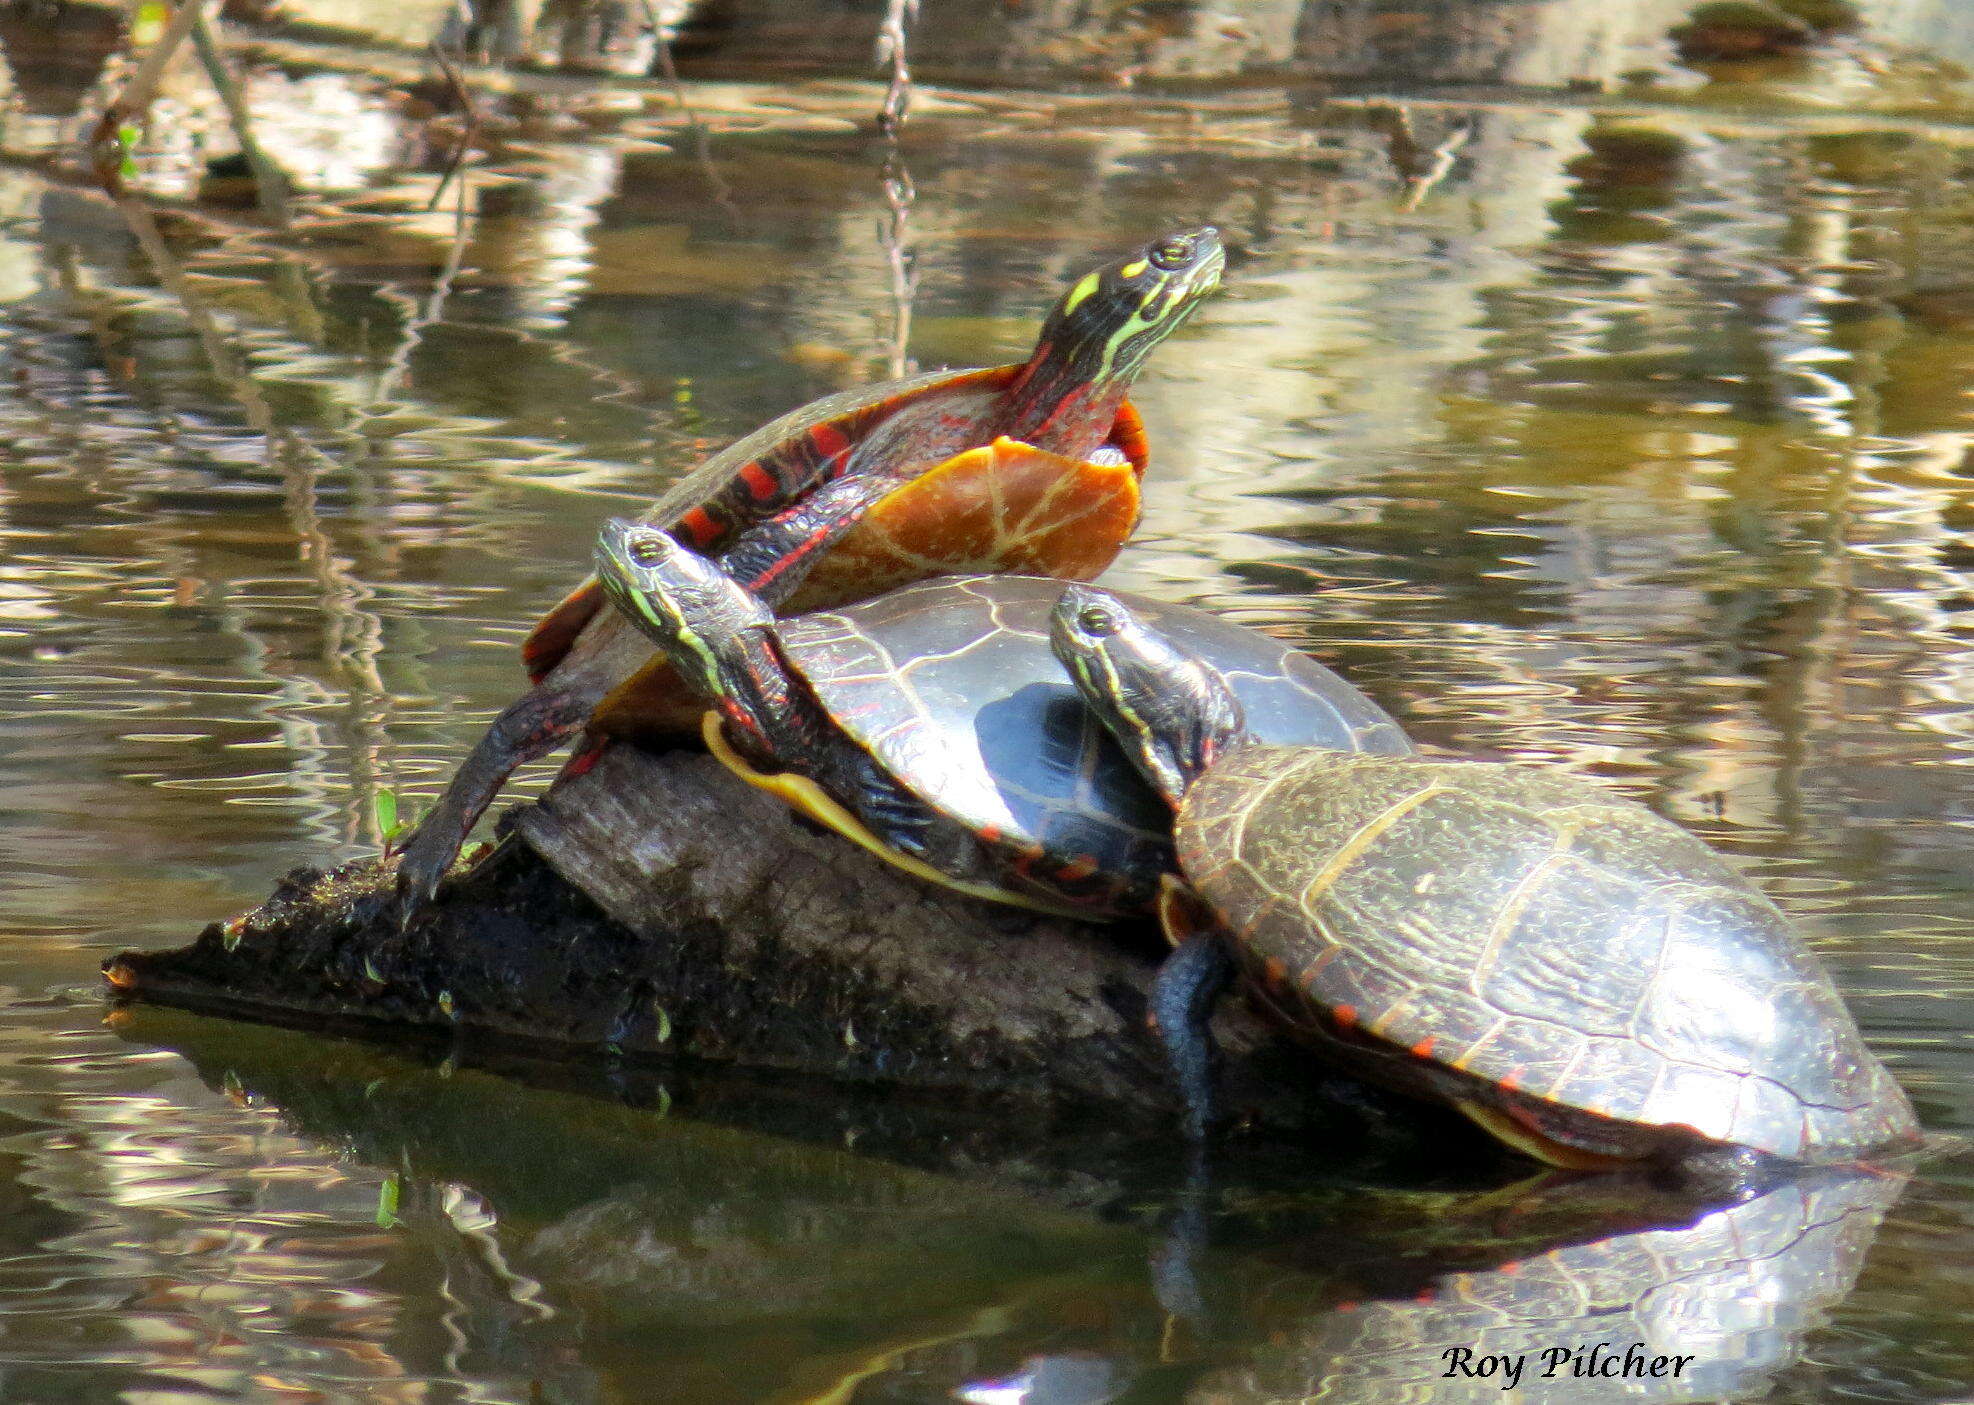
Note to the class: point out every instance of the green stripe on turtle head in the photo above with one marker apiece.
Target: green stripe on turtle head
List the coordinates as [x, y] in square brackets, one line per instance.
[684, 602]
[1107, 324]
[1172, 714]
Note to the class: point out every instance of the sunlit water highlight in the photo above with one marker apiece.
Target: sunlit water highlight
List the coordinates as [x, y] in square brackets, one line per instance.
[1640, 446]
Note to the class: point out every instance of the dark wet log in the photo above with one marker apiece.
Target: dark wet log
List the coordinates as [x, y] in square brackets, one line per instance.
[655, 906]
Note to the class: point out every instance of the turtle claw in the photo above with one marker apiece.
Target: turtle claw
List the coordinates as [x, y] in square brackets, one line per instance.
[422, 865]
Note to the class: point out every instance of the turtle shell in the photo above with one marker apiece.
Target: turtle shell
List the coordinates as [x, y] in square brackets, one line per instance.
[1582, 965]
[810, 445]
[952, 686]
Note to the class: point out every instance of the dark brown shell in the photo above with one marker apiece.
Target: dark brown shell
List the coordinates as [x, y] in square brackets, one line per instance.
[1536, 933]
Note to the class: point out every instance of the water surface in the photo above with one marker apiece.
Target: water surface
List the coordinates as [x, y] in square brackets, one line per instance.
[1632, 436]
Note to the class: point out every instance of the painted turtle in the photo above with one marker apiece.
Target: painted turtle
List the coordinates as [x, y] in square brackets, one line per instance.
[933, 726]
[1584, 979]
[1028, 467]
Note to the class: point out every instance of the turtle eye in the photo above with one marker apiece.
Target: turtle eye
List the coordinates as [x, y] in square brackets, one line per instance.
[1172, 254]
[649, 550]
[1096, 621]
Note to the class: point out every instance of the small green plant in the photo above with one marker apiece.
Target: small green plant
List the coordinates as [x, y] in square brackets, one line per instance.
[384, 809]
[127, 135]
[148, 25]
[387, 1203]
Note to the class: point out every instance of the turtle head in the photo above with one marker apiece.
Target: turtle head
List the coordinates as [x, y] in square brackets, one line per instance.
[1172, 713]
[691, 609]
[1097, 337]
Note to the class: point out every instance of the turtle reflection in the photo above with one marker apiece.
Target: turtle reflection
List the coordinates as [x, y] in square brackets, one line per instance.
[1718, 1305]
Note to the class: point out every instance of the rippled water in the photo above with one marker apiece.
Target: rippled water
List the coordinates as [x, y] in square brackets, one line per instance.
[1641, 444]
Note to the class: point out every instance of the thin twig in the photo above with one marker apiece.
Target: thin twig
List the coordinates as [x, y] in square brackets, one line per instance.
[353, 642]
[353, 634]
[895, 234]
[434, 305]
[107, 151]
[1439, 164]
[898, 14]
[270, 183]
[227, 363]
[701, 134]
[470, 136]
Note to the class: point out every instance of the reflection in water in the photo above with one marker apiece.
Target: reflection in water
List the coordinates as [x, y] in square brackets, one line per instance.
[1715, 1308]
[739, 1264]
[1628, 431]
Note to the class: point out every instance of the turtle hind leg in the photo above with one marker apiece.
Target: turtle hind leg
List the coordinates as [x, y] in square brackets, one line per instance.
[531, 726]
[1174, 1260]
[1182, 1001]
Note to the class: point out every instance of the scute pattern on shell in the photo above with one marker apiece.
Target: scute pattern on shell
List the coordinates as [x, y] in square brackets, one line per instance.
[952, 685]
[1735, 1288]
[1543, 935]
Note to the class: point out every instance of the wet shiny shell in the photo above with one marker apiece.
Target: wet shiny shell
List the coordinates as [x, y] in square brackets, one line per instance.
[814, 441]
[1540, 934]
[951, 684]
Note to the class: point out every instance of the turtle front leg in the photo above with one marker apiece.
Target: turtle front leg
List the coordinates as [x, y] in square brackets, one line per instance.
[1183, 996]
[772, 558]
[531, 726]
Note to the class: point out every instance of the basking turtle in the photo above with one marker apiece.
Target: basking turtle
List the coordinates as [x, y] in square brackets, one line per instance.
[933, 725]
[1584, 979]
[1029, 467]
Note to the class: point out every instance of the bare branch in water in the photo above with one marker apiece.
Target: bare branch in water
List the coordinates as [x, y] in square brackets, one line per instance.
[434, 305]
[1438, 166]
[470, 136]
[227, 363]
[352, 632]
[270, 182]
[701, 137]
[895, 233]
[107, 149]
[891, 49]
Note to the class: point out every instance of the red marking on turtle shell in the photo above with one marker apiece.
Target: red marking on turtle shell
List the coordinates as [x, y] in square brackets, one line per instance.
[699, 524]
[991, 833]
[1347, 1307]
[1424, 1048]
[829, 441]
[1512, 1079]
[1346, 1016]
[1082, 866]
[1512, 1267]
[1128, 434]
[584, 760]
[1275, 972]
[759, 481]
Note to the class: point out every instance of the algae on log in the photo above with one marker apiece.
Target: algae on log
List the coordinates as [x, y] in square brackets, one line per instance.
[655, 905]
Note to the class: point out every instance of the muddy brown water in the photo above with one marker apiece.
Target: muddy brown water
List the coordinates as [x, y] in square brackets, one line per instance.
[1630, 436]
